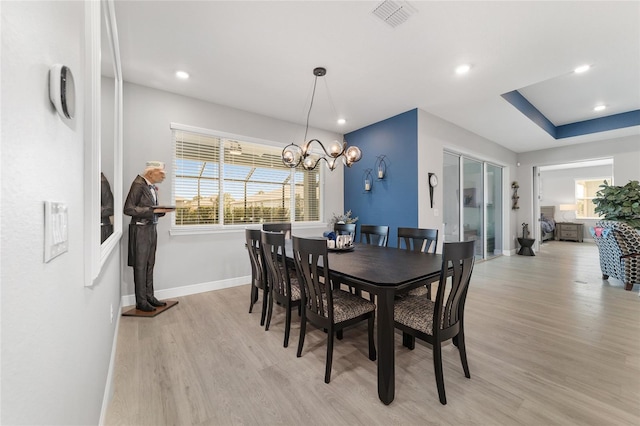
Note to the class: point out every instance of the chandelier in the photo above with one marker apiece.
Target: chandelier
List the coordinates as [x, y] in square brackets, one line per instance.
[293, 155]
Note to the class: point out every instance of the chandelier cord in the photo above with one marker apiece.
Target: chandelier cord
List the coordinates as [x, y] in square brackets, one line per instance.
[333, 106]
[313, 95]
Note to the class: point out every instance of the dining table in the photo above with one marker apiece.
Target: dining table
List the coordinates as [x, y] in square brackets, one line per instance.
[383, 271]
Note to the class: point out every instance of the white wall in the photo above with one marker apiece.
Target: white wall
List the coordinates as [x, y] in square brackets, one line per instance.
[56, 333]
[436, 135]
[187, 264]
[626, 165]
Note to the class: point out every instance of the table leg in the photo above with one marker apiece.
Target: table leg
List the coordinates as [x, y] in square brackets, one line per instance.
[386, 346]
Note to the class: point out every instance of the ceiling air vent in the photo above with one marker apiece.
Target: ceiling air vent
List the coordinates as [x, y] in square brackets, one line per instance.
[394, 13]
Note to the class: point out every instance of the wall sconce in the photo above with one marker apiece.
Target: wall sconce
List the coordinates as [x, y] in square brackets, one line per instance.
[368, 180]
[381, 167]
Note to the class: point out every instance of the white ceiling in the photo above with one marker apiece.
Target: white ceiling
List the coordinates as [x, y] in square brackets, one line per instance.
[259, 56]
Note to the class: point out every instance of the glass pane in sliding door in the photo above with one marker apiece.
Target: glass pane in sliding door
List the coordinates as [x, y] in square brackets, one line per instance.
[494, 210]
[473, 203]
[451, 197]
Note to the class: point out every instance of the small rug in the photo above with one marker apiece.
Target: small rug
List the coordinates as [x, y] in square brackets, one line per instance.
[133, 312]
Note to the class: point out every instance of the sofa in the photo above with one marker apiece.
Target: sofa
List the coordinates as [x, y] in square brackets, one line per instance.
[619, 248]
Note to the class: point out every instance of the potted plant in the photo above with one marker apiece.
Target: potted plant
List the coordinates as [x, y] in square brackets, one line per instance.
[343, 218]
[621, 203]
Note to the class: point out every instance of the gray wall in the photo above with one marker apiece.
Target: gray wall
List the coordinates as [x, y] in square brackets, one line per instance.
[187, 264]
[57, 334]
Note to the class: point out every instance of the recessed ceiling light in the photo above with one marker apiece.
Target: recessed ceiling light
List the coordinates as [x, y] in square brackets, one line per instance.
[182, 74]
[341, 121]
[582, 68]
[463, 69]
[599, 108]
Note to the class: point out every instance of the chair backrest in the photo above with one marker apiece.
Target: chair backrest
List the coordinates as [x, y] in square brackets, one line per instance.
[418, 239]
[627, 238]
[345, 229]
[452, 289]
[258, 267]
[312, 266]
[284, 227]
[374, 234]
[615, 240]
[275, 258]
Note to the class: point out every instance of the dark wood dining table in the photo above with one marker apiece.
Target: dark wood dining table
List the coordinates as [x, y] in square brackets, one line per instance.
[383, 271]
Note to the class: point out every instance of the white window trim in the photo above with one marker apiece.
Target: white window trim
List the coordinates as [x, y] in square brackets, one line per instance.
[609, 180]
[221, 229]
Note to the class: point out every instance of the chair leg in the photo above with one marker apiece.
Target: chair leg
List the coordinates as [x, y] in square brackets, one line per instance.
[270, 310]
[265, 298]
[287, 325]
[428, 286]
[339, 334]
[303, 327]
[372, 345]
[437, 366]
[459, 340]
[254, 297]
[408, 341]
[327, 373]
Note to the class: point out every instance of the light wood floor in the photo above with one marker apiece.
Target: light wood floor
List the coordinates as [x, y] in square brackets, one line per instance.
[548, 342]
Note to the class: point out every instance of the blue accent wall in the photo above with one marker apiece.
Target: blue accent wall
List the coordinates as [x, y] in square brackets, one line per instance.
[392, 201]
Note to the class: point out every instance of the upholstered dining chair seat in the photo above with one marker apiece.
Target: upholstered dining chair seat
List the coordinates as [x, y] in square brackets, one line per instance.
[296, 294]
[347, 305]
[415, 312]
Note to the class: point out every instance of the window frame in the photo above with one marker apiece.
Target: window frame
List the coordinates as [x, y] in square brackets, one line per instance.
[176, 229]
[576, 181]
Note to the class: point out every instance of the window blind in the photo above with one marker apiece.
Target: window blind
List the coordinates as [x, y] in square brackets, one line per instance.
[256, 186]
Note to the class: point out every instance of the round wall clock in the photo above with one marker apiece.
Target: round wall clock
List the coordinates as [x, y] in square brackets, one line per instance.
[62, 90]
[433, 182]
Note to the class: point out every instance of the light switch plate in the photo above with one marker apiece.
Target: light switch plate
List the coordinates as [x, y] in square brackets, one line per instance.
[56, 230]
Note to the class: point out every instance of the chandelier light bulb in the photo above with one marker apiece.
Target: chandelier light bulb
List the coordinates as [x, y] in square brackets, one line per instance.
[335, 149]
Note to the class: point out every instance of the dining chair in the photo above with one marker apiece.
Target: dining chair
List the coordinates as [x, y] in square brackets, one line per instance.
[323, 306]
[283, 284]
[258, 270]
[345, 229]
[374, 234]
[419, 239]
[284, 227]
[437, 321]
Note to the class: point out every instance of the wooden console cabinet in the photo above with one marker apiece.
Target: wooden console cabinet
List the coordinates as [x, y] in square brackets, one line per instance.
[569, 231]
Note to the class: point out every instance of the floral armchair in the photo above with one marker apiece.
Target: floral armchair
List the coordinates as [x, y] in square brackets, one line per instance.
[619, 246]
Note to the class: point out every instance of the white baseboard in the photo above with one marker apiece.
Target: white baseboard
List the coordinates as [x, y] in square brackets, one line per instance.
[108, 388]
[130, 299]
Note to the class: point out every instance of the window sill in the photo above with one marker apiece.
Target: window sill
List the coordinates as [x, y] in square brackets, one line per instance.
[202, 230]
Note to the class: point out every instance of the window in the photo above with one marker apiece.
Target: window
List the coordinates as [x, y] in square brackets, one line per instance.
[585, 193]
[256, 186]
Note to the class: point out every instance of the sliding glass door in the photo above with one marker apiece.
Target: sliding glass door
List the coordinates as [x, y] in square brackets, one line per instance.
[451, 197]
[494, 209]
[473, 204]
